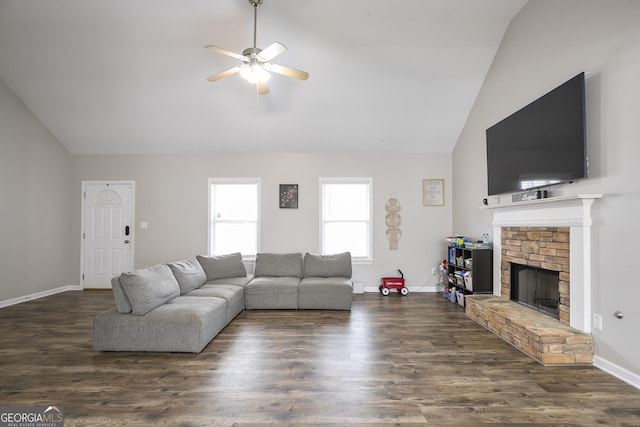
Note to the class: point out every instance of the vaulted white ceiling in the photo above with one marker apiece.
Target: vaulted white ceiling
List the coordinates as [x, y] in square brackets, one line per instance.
[129, 76]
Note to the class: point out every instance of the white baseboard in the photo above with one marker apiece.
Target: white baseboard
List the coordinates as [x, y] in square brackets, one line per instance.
[48, 292]
[617, 371]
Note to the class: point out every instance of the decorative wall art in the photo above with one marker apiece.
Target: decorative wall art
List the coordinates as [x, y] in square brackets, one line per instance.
[392, 221]
[289, 196]
[433, 192]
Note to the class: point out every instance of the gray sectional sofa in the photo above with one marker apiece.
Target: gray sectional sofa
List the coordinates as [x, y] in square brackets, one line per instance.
[182, 306]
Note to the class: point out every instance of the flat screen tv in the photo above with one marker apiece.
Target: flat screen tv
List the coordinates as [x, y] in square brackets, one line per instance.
[541, 144]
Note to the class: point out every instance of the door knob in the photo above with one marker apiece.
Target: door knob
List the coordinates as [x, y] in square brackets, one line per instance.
[126, 241]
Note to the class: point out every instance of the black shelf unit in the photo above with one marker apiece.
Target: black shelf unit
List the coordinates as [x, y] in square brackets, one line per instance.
[477, 261]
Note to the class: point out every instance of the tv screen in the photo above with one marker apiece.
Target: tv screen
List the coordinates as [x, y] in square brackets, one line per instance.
[541, 144]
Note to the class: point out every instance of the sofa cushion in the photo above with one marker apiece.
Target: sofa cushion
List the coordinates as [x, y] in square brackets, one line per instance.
[232, 294]
[238, 281]
[337, 265]
[270, 292]
[222, 266]
[278, 265]
[122, 301]
[149, 288]
[325, 293]
[189, 274]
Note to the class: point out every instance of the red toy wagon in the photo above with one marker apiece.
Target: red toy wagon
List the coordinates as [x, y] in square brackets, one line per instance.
[393, 283]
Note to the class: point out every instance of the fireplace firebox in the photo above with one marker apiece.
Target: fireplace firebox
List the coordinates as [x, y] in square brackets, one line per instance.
[536, 288]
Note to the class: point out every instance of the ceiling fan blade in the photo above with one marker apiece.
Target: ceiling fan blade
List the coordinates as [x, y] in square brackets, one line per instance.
[271, 51]
[224, 51]
[289, 72]
[262, 86]
[225, 73]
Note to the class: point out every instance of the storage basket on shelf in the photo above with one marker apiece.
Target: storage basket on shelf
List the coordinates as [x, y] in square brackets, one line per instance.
[468, 280]
[460, 298]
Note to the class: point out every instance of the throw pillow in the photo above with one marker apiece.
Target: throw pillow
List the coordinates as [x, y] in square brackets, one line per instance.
[149, 288]
[278, 265]
[189, 274]
[122, 300]
[223, 266]
[337, 265]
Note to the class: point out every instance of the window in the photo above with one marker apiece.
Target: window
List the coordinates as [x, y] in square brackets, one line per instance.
[234, 224]
[345, 218]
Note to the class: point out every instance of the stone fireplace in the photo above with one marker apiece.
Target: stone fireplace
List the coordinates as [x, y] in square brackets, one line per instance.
[555, 234]
[552, 236]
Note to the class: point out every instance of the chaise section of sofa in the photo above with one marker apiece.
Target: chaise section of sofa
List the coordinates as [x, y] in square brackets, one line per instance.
[327, 282]
[150, 314]
[185, 324]
[275, 281]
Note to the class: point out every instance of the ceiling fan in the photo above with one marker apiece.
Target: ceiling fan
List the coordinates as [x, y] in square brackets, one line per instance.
[255, 65]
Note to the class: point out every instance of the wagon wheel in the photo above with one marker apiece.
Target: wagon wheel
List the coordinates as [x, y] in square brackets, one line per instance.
[385, 291]
[404, 291]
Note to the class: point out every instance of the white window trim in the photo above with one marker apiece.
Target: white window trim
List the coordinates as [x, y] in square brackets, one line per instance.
[348, 180]
[248, 258]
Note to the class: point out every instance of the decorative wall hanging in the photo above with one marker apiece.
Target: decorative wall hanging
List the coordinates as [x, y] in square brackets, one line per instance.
[433, 192]
[289, 196]
[392, 221]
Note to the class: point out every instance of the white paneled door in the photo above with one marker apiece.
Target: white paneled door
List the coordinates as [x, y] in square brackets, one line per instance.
[107, 232]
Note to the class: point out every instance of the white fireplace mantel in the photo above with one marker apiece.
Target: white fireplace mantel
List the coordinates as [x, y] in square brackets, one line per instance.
[564, 211]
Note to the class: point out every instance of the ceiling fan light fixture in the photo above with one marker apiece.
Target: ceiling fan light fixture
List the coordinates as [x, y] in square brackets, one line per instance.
[256, 63]
[254, 72]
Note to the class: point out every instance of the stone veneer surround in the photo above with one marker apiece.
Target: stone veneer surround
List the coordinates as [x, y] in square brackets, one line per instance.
[541, 247]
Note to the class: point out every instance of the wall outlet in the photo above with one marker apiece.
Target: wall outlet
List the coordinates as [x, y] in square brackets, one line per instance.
[597, 321]
[433, 271]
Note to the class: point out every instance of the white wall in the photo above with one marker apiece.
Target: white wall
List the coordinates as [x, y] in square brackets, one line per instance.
[547, 43]
[35, 204]
[171, 195]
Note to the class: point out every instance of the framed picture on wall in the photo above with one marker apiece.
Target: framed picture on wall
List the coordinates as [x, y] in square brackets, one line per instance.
[433, 192]
[288, 197]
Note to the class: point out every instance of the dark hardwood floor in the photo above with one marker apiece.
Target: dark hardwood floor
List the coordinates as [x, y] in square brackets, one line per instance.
[402, 361]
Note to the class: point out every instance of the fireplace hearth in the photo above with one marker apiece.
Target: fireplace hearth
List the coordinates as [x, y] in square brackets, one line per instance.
[536, 288]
